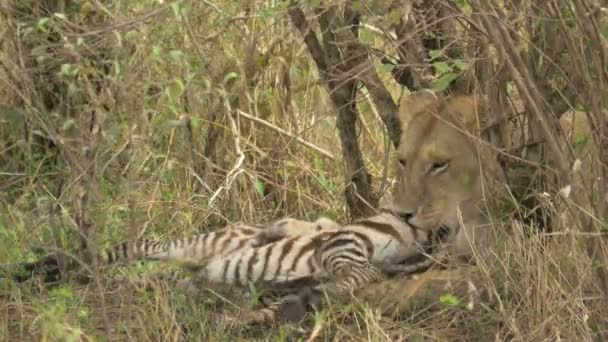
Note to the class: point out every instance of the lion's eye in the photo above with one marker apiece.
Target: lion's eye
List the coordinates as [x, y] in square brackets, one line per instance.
[438, 167]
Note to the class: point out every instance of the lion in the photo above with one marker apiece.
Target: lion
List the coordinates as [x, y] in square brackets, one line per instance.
[447, 176]
[447, 171]
[443, 166]
[443, 178]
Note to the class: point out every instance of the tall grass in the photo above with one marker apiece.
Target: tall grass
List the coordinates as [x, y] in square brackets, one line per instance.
[162, 118]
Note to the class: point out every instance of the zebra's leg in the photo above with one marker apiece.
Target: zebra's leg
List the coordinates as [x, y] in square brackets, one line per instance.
[414, 265]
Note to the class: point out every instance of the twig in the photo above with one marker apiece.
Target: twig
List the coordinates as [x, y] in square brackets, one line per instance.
[521, 77]
[123, 26]
[199, 179]
[237, 168]
[285, 133]
[214, 6]
[379, 31]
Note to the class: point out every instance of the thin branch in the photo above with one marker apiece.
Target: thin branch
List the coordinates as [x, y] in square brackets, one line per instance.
[359, 66]
[238, 164]
[120, 27]
[310, 38]
[287, 134]
[521, 77]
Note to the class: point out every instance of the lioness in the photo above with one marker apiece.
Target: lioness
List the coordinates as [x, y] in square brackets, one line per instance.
[446, 174]
[441, 182]
[442, 164]
[447, 170]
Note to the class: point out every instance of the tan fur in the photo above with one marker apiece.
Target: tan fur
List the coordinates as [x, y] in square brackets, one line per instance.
[575, 126]
[441, 175]
[403, 296]
[446, 129]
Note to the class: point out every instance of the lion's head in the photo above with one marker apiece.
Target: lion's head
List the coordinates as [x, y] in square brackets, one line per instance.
[439, 161]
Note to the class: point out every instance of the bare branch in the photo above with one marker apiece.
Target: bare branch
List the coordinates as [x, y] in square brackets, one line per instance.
[287, 134]
[310, 38]
[521, 76]
[237, 168]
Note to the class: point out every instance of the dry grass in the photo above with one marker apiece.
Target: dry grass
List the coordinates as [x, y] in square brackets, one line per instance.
[115, 124]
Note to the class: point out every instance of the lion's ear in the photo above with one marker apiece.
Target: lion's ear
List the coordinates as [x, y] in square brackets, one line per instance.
[414, 104]
[469, 110]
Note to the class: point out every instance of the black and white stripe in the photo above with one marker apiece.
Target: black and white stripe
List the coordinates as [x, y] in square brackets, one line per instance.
[348, 253]
[357, 255]
[201, 247]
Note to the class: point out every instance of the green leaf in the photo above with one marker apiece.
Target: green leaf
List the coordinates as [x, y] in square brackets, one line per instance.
[72, 90]
[366, 36]
[177, 56]
[230, 76]
[131, 35]
[265, 13]
[449, 300]
[62, 293]
[435, 54]
[157, 53]
[394, 16]
[444, 81]
[259, 187]
[580, 142]
[68, 125]
[175, 89]
[388, 67]
[195, 123]
[176, 7]
[442, 68]
[112, 134]
[28, 31]
[67, 70]
[42, 24]
[460, 64]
